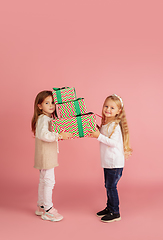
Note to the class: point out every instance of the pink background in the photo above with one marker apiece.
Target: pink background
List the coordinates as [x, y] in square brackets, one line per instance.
[99, 47]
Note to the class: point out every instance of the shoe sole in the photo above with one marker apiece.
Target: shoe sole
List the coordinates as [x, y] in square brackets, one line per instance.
[38, 213]
[52, 220]
[100, 215]
[113, 220]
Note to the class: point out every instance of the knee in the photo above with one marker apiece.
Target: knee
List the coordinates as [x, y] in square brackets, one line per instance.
[49, 182]
[110, 187]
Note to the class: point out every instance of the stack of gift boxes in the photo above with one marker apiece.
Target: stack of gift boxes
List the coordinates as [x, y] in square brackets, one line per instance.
[72, 113]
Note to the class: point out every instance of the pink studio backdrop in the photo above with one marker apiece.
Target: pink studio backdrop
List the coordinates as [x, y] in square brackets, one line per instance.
[100, 48]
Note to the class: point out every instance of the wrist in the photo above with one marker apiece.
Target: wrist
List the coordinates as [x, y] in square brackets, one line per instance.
[60, 137]
[98, 135]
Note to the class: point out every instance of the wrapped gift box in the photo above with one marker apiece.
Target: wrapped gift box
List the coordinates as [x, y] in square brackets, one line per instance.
[64, 94]
[79, 126]
[71, 108]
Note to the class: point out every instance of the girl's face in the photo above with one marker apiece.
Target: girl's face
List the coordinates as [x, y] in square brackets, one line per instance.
[47, 106]
[110, 110]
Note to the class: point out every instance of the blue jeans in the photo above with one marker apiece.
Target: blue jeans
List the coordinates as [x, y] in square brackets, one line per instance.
[112, 177]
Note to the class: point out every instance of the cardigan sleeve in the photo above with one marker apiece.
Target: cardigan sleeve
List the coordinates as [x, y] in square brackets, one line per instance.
[113, 141]
[42, 130]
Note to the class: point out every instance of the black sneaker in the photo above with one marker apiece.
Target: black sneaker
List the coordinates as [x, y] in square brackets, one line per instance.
[103, 212]
[111, 217]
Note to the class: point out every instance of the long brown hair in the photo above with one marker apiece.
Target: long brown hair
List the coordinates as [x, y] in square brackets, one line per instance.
[122, 121]
[37, 112]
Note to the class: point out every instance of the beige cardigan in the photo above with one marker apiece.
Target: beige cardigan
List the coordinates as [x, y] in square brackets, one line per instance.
[46, 144]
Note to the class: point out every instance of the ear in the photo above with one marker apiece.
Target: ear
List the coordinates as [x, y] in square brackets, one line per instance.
[39, 106]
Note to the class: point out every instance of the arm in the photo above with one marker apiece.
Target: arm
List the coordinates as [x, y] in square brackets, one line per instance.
[111, 142]
[42, 130]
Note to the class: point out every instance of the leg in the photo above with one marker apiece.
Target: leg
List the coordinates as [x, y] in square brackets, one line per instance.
[50, 212]
[49, 181]
[41, 189]
[40, 203]
[112, 177]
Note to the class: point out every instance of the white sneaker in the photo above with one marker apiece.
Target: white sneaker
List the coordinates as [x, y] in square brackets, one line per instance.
[39, 211]
[52, 215]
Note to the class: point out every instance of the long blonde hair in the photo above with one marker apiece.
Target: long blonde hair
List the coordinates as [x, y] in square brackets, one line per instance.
[122, 121]
[37, 111]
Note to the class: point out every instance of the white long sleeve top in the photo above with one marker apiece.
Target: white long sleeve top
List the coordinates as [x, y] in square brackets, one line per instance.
[111, 149]
[43, 129]
[46, 144]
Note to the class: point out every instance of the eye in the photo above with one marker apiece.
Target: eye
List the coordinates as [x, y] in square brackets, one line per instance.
[46, 103]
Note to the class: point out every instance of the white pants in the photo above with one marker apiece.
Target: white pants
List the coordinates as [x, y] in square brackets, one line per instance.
[45, 188]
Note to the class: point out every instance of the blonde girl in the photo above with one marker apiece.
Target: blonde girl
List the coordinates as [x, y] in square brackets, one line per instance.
[114, 147]
[46, 143]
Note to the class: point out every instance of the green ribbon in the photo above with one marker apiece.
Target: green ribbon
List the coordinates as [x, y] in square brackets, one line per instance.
[59, 98]
[80, 127]
[77, 107]
[58, 93]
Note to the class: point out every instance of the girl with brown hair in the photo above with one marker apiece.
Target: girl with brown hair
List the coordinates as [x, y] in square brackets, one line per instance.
[46, 149]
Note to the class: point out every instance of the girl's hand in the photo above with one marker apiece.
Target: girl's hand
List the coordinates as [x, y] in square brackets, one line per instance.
[127, 154]
[65, 135]
[94, 134]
